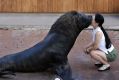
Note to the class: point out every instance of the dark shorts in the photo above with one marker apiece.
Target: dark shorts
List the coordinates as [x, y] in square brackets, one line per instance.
[111, 56]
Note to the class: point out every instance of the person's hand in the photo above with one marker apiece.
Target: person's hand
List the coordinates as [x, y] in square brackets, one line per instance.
[86, 51]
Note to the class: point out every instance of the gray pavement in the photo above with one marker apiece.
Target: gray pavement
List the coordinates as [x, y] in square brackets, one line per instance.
[45, 20]
[12, 41]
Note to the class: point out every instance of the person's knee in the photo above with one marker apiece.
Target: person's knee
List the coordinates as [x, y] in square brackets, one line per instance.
[92, 53]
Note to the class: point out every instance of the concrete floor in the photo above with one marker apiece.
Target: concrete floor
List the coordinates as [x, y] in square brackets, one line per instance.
[44, 20]
[12, 41]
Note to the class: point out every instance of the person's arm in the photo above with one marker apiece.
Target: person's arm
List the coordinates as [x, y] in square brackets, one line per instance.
[88, 47]
[98, 37]
[95, 44]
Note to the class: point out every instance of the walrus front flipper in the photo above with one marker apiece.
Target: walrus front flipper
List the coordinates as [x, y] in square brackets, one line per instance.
[64, 71]
[5, 73]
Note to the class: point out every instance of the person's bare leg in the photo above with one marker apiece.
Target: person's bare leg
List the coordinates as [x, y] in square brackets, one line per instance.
[99, 56]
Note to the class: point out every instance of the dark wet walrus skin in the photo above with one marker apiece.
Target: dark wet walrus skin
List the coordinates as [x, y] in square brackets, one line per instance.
[52, 51]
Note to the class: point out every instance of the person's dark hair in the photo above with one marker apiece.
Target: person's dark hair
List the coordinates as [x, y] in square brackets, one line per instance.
[100, 20]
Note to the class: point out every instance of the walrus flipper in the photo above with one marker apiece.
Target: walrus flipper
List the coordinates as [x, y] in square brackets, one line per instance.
[4, 73]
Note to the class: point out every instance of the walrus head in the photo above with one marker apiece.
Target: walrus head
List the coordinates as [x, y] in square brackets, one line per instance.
[83, 21]
[79, 21]
[71, 23]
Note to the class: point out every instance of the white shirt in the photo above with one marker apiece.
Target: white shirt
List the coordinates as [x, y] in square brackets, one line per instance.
[102, 41]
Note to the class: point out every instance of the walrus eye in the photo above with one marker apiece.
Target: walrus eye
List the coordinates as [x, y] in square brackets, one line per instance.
[88, 21]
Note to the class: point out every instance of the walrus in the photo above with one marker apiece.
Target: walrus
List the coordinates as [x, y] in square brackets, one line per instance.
[50, 53]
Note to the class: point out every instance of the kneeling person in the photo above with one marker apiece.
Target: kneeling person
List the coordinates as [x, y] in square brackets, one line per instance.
[101, 49]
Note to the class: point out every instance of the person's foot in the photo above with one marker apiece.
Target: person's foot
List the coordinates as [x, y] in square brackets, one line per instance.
[98, 64]
[104, 67]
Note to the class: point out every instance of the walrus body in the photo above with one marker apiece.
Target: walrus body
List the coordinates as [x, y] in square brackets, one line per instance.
[52, 51]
